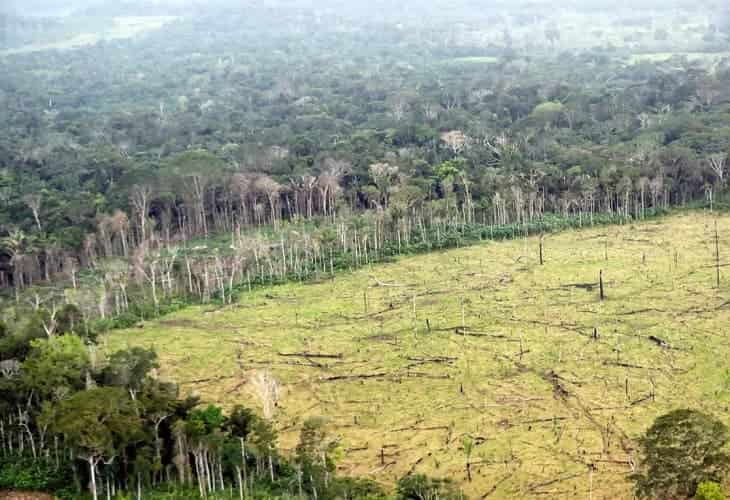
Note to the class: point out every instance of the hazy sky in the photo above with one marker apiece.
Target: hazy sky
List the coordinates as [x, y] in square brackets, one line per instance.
[61, 7]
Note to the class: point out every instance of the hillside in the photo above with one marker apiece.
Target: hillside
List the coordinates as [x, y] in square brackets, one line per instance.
[481, 345]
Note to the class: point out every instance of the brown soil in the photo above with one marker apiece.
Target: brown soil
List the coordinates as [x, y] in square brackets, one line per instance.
[24, 495]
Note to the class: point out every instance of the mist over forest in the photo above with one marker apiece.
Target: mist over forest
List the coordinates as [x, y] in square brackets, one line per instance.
[338, 249]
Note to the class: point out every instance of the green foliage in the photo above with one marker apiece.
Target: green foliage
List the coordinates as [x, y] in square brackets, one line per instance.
[206, 421]
[59, 363]
[363, 489]
[681, 450]
[707, 490]
[450, 169]
[316, 454]
[129, 368]
[100, 422]
[26, 473]
[241, 421]
[69, 320]
[419, 486]
[547, 112]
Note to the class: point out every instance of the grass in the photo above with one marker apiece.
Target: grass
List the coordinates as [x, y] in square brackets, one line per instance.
[542, 399]
[120, 27]
[472, 60]
[703, 57]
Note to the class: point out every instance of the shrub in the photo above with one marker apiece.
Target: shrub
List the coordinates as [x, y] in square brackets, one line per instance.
[681, 450]
[709, 491]
[27, 474]
[420, 486]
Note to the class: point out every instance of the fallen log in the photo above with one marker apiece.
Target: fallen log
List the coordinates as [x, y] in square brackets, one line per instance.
[464, 331]
[435, 359]
[495, 486]
[339, 355]
[354, 377]
[534, 486]
[427, 375]
[558, 389]
[417, 463]
[660, 342]
[205, 380]
[361, 448]
[648, 397]
[539, 421]
[237, 387]
[627, 365]
[414, 428]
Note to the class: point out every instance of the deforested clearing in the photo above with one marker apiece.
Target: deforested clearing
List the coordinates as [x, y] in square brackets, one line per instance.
[479, 361]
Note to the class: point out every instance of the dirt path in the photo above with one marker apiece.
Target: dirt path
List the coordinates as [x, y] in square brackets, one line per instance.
[24, 495]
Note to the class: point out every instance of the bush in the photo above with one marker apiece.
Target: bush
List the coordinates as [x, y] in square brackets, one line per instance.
[709, 491]
[420, 486]
[681, 450]
[24, 473]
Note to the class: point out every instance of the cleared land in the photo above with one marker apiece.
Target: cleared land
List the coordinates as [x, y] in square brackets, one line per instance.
[121, 27]
[482, 342]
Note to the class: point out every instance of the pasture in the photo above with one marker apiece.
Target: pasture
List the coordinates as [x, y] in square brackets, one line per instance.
[481, 355]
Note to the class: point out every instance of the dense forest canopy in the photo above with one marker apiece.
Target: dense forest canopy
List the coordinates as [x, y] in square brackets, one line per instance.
[219, 117]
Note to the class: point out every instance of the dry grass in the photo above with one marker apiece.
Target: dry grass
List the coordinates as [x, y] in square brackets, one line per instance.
[544, 400]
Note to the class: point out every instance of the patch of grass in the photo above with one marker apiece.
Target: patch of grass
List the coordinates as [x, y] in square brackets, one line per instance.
[541, 398]
[119, 27]
[704, 57]
[473, 60]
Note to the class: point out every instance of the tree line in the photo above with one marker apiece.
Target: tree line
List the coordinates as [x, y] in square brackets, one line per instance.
[80, 424]
[125, 172]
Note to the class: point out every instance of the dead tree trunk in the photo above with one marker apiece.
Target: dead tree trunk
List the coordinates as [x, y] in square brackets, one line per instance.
[717, 256]
[600, 284]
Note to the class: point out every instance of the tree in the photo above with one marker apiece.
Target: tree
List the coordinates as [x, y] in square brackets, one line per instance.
[455, 140]
[266, 388]
[547, 114]
[139, 199]
[99, 423]
[384, 176]
[56, 366]
[717, 164]
[552, 34]
[204, 433]
[129, 369]
[34, 201]
[681, 450]
[316, 455]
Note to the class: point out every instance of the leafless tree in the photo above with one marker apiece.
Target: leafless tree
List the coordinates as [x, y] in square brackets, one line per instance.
[266, 388]
[9, 368]
[717, 164]
[272, 190]
[399, 105]
[384, 175]
[455, 140]
[140, 201]
[34, 201]
[328, 183]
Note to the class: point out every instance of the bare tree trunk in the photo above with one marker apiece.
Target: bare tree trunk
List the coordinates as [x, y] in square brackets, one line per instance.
[600, 284]
[717, 256]
[92, 470]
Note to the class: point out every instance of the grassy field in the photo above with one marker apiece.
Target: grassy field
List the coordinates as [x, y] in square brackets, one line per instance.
[481, 343]
[120, 27]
